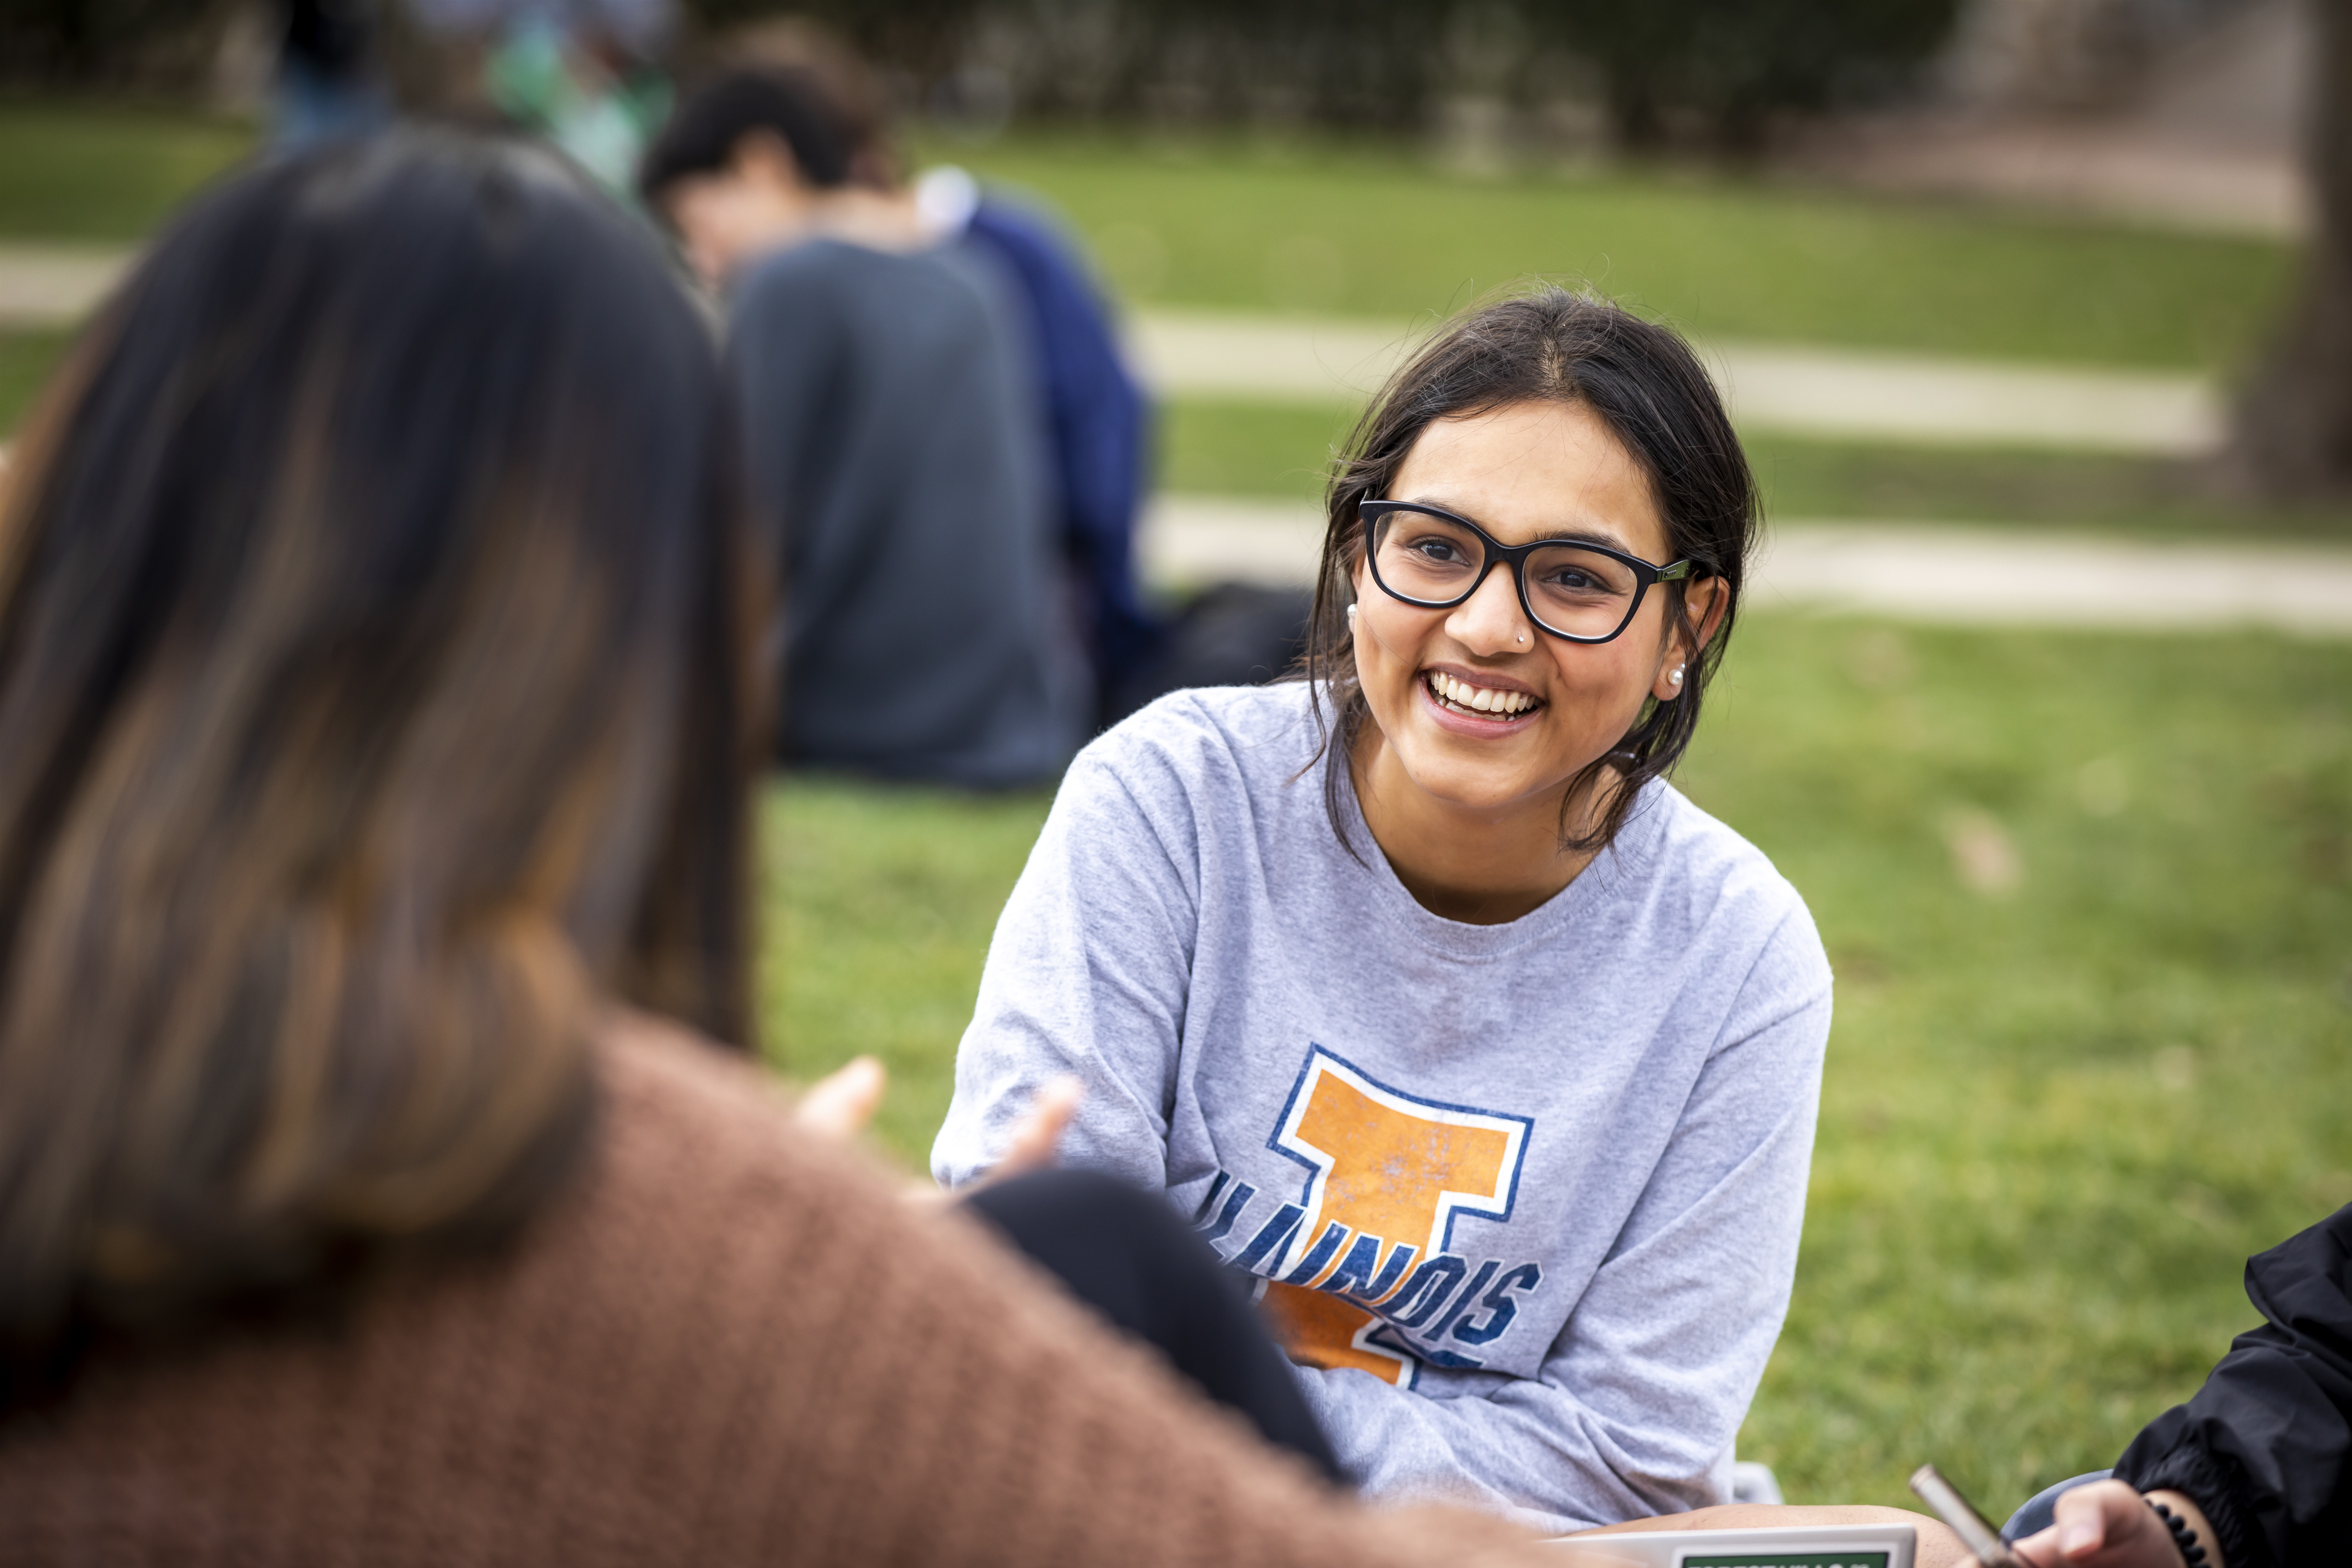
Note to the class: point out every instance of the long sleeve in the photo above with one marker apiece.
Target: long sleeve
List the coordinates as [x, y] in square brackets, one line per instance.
[1087, 975]
[1522, 1200]
[1639, 1399]
[2265, 1446]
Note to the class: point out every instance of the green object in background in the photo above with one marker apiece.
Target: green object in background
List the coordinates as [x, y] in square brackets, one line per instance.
[600, 119]
[2089, 899]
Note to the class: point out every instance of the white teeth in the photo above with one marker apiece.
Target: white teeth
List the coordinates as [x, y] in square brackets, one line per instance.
[1479, 698]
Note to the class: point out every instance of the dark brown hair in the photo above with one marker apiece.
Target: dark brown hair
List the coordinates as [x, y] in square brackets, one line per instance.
[789, 102]
[1643, 383]
[373, 709]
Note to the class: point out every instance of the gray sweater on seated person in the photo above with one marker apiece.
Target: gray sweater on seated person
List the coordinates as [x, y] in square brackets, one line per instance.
[900, 485]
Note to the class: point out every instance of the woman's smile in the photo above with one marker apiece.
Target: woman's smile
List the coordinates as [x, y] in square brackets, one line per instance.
[1485, 704]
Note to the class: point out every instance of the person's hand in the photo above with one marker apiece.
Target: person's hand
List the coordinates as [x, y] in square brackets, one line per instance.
[2107, 1525]
[838, 1106]
[1038, 1137]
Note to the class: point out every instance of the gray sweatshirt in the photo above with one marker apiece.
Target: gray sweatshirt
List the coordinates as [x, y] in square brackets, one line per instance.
[1521, 1201]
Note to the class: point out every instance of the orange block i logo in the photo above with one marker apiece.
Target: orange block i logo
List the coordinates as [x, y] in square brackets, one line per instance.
[1392, 1174]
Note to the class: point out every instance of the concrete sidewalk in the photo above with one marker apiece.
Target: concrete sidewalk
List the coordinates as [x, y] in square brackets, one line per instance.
[53, 286]
[1855, 394]
[1850, 393]
[1914, 571]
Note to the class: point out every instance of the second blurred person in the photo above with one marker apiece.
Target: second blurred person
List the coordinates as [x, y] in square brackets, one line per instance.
[896, 460]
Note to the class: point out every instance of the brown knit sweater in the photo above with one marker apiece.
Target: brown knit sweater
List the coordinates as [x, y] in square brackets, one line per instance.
[726, 1346]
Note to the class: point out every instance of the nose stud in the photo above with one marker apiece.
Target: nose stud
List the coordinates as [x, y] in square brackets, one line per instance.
[1523, 637]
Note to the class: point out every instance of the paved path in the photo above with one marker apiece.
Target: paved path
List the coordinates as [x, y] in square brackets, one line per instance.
[1846, 393]
[1918, 571]
[1862, 394]
[54, 285]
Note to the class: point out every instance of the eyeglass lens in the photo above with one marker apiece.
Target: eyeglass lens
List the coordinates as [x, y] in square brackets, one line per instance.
[1579, 591]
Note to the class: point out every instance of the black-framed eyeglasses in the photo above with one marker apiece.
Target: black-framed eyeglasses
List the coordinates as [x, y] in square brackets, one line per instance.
[1582, 592]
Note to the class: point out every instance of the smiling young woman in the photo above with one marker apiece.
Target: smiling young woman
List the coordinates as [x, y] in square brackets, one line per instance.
[1485, 733]
[1493, 1064]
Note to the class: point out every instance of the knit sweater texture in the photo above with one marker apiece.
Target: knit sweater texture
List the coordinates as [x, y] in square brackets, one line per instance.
[727, 1345]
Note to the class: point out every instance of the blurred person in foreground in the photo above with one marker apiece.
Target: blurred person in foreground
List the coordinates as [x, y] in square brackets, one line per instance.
[898, 461]
[374, 772]
[2256, 1471]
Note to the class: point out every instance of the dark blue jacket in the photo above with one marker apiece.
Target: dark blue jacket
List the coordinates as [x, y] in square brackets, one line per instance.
[1096, 420]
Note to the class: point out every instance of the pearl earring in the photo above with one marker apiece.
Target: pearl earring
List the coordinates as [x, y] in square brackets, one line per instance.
[1677, 676]
[1351, 617]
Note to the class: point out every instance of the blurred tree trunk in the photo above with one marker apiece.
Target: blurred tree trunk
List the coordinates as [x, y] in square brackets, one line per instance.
[2293, 439]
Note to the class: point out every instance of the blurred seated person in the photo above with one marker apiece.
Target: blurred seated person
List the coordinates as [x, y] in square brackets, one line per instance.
[1229, 634]
[375, 1185]
[2256, 1471]
[1095, 413]
[897, 463]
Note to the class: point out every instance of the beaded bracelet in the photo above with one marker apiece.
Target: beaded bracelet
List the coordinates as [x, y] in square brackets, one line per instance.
[2183, 1536]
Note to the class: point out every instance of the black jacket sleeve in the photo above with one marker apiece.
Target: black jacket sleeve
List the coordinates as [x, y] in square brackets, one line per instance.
[2266, 1446]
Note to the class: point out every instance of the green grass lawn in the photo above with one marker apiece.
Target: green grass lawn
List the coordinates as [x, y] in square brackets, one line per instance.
[93, 175]
[1366, 229]
[26, 361]
[2055, 1121]
[1375, 228]
[98, 173]
[879, 905]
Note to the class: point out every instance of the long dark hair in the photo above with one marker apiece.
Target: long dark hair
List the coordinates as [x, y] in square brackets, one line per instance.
[1643, 383]
[373, 709]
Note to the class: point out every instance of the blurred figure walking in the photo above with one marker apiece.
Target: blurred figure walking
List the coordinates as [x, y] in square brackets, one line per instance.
[584, 74]
[899, 466]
